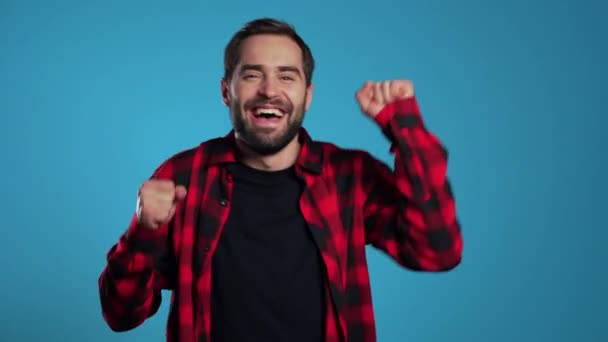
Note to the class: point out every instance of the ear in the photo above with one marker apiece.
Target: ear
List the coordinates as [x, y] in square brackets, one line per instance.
[225, 88]
[309, 92]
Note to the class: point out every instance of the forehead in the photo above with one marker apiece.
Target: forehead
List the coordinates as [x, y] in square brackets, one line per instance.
[270, 50]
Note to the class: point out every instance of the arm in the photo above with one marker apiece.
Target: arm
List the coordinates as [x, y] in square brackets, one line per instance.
[410, 212]
[138, 267]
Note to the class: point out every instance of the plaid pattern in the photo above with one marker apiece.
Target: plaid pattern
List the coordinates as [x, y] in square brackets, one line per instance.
[351, 200]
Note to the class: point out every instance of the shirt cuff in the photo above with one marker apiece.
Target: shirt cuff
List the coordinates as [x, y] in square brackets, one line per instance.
[137, 233]
[404, 106]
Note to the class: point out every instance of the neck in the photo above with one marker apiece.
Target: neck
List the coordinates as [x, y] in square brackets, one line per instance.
[281, 160]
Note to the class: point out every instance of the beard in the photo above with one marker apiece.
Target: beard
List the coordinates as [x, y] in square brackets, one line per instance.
[266, 141]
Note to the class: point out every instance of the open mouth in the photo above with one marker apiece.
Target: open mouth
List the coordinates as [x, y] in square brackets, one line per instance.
[267, 116]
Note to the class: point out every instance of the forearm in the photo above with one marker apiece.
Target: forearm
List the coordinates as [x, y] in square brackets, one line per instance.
[427, 233]
[130, 285]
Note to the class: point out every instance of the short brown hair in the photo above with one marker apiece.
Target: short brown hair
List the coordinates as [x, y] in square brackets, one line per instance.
[265, 26]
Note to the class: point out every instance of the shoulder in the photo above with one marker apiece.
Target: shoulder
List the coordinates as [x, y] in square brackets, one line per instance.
[179, 165]
[335, 155]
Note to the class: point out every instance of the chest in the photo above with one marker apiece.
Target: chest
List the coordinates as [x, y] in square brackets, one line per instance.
[324, 209]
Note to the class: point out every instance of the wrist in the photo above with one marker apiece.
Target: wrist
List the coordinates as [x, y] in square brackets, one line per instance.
[139, 232]
[406, 106]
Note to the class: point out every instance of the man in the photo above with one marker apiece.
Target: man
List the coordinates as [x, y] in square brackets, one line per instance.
[260, 235]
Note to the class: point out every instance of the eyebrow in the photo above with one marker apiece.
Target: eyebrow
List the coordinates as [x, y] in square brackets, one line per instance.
[259, 67]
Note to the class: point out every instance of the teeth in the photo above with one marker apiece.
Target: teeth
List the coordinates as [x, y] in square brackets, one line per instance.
[272, 111]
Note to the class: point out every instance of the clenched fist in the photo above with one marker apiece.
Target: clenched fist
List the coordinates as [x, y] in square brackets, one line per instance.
[156, 202]
[373, 96]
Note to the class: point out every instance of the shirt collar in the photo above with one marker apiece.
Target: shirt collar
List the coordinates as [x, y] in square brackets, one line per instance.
[223, 150]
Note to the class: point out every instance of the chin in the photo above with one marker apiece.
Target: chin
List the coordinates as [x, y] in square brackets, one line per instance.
[269, 143]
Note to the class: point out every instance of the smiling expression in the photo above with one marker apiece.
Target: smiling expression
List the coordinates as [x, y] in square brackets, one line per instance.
[267, 93]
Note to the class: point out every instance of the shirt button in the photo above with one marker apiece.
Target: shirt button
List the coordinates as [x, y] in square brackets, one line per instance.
[224, 202]
[206, 249]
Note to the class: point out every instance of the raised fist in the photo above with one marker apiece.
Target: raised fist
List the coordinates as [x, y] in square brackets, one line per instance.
[373, 96]
[156, 202]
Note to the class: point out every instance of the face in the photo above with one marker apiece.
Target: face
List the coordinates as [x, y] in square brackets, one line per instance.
[267, 94]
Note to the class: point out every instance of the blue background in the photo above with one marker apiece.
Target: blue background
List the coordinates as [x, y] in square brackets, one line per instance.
[94, 95]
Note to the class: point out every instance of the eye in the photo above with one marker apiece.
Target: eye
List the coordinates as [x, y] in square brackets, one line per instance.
[250, 76]
[286, 78]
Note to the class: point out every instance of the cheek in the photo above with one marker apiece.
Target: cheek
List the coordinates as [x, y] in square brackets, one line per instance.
[298, 98]
[242, 95]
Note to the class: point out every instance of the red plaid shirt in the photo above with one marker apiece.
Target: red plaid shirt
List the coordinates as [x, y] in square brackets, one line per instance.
[351, 200]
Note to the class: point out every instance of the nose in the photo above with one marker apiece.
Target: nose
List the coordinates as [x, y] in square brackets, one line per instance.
[268, 88]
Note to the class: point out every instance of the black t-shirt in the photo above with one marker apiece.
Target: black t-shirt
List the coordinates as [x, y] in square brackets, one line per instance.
[267, 272]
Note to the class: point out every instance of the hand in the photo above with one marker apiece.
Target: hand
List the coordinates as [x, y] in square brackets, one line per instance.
[156, 202]
[373, 96]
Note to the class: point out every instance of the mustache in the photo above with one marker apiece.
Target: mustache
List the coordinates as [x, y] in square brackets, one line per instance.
[282, 105]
